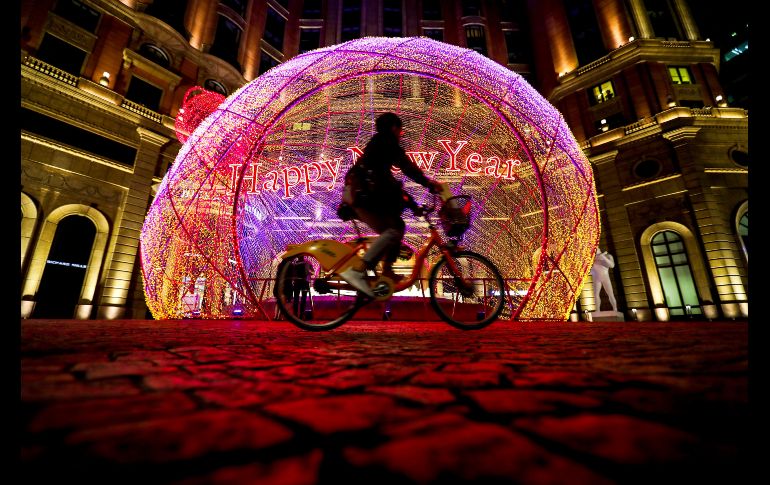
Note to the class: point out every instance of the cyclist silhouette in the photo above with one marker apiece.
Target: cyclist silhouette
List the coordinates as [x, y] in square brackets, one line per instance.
[378, 198]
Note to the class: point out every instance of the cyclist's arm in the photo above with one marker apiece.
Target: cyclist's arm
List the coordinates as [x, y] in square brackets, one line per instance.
[410, 169]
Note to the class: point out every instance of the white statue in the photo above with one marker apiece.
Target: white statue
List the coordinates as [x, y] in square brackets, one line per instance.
[600, 272]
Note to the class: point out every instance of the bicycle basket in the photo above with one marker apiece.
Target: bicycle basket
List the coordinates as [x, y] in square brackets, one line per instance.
[455, 215]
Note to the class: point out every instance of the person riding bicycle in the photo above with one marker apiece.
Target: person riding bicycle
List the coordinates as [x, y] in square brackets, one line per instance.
[378, 198]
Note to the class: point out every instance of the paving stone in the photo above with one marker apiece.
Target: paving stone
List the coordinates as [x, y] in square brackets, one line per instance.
[265, 402]
[471, 452]
[457, 379]
[623, 439]
[296, 470]
[558, 379]
[243, 395]
[529, 401]
[342, 413]
[181, 438]
[423, 395]
[102, 412]
[100, 370]
[346, 379]
[45, 390]
[180, 381]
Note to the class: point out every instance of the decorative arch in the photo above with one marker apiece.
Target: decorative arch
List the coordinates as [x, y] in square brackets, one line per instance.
[43, 247]
[743, 210]
[699, 270]
[266, 169]
[29, 215]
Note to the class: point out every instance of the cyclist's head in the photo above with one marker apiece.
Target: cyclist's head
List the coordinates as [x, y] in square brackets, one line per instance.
[386, 122]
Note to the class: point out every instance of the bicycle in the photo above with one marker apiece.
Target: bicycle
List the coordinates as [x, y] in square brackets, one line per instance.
[466, 289]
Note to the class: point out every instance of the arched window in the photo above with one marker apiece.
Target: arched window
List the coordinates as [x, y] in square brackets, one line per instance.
[227, 41]
[215, 86]
[476, 40]
[155, 54]
[675, 274]
[65, 268]
[742, 228]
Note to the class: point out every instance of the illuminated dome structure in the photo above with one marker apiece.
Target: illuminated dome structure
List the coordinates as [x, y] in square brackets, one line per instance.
[266, 169]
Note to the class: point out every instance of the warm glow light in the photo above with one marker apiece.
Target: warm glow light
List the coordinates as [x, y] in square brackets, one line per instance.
[105, 79]
[719, 97]
[631, 39]
[266, 167]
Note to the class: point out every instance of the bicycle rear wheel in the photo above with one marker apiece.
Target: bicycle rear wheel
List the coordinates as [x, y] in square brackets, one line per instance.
[470, 305]
[311, 301]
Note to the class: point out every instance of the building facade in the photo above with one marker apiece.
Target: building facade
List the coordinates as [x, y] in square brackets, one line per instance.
[103, 80]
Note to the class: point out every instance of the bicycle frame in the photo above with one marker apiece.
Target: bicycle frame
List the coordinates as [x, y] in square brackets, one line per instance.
[335, 257]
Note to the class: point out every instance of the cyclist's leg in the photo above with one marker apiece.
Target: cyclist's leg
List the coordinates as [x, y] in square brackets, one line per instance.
[390, 228]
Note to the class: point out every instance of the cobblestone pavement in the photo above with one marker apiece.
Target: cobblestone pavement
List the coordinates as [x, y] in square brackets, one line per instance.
[194, 402]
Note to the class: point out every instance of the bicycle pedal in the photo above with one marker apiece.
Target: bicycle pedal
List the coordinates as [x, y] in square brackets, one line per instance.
[383, 288]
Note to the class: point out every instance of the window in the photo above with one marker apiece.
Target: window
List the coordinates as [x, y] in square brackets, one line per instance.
[311, 9]
[610, 122]
[309, 39]
[78, 13]
[584, 27]
[141, 92]
[435, 34]
[351, 20]
[602, 93]
[275, 25]
[431, 10]
[743, 232]
[675, 274]
[739, 157]
[471, 8]
[391, 18]
[61, 54]
[661, 17]
[266, 62]
[239, 6]
[474, 36]
[680, 75]
[72, 135]
[511, 11]
[736, 51]
[227, 41]
[155, 54]
[65, 268]
[172, 12]
[647, 169]
[516, 43]
[215, 86]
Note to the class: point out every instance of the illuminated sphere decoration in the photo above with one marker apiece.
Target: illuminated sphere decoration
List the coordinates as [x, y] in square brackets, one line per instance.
[266, 168]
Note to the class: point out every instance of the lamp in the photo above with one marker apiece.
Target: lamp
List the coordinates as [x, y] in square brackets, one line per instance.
[105, 79]
[631, 39]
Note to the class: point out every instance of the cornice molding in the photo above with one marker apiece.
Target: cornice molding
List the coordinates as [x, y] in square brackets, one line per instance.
[132, 58]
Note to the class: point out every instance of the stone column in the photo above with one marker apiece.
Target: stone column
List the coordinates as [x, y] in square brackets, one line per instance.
[201, 21]
[120, 266]
[613, 22]
[622, 237]
[642, 21]
[559, 37]
[721, 250]
[688, 23]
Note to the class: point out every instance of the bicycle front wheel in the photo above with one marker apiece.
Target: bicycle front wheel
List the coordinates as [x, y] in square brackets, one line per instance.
[310, 300]
[473, 297]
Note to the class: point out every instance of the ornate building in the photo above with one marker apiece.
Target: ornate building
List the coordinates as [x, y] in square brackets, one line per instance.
[103, 80]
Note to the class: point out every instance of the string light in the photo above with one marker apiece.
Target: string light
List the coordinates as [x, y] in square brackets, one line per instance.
[265, 168]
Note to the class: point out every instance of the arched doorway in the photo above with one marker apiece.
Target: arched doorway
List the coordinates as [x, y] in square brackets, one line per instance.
[65, 268]
[675, 274]
[742, 227]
